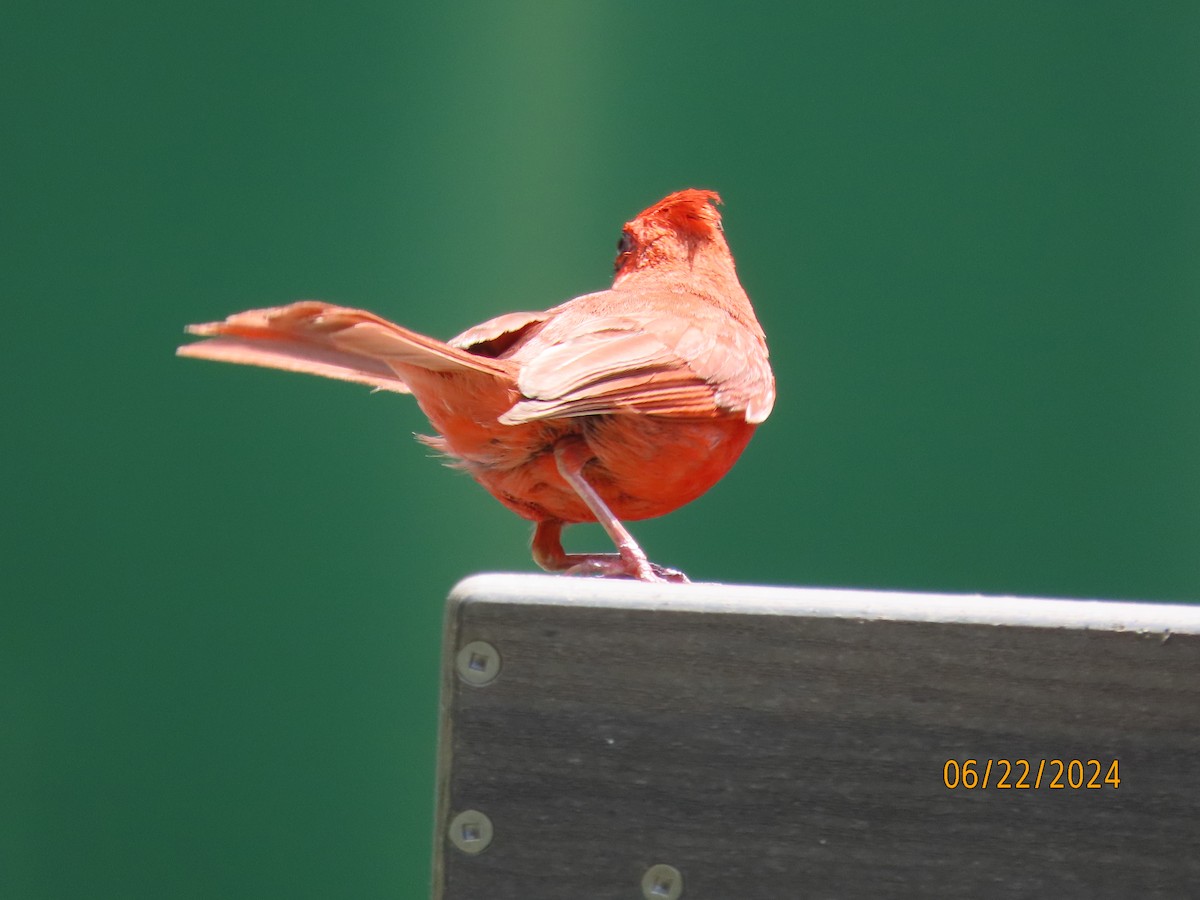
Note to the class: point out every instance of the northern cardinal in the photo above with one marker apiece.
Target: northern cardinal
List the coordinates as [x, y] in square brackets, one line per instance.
[622, 404]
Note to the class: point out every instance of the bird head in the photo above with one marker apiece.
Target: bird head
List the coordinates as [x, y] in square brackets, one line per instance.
[675, 230]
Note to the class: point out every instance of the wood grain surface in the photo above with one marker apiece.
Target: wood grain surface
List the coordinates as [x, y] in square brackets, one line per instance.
[795, 750]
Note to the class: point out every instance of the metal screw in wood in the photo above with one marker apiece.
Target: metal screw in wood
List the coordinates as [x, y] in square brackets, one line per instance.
[471, 831]
[478, 663]
[662, 882]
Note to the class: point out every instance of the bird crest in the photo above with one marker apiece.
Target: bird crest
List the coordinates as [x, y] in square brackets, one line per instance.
[690, 212]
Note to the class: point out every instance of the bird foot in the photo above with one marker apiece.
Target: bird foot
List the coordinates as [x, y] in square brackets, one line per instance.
[609, 565]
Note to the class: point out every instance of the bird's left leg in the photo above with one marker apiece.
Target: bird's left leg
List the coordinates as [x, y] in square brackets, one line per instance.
[571, 455]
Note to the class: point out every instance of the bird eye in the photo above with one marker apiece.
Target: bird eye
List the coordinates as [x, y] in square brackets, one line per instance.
[625, 244]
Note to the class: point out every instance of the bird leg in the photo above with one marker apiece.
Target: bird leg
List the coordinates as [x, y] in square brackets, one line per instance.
[628, 562]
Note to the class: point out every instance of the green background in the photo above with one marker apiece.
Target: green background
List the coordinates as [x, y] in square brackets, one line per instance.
[970, 231]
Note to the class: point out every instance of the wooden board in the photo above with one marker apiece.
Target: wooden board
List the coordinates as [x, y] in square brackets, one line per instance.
[778, 743]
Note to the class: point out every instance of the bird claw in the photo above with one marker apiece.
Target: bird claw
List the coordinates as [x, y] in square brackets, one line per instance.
[613, 566]
[673, 576]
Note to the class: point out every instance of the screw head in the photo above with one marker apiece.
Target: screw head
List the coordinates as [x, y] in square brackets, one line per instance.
[470, 831]
[662, 882]
[478, 663]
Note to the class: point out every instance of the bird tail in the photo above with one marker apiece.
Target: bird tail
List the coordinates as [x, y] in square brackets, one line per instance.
[334, 342]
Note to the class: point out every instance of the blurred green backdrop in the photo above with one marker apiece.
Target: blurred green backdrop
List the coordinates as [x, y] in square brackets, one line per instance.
[970, 230]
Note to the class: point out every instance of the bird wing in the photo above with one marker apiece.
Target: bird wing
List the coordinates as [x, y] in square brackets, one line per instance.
[495, 336]
[650, 361]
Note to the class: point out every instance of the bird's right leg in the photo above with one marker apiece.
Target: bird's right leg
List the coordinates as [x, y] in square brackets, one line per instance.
[548, 553]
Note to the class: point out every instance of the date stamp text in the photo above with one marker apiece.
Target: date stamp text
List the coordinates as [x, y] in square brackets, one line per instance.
[1031, 774]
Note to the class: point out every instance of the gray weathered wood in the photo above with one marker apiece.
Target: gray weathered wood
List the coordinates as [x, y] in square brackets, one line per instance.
[778, 743]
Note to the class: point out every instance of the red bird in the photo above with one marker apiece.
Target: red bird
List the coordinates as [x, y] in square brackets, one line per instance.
[623, 404]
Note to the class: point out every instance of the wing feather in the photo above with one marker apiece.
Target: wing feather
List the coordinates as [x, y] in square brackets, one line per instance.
[496, 336]
[658, 364]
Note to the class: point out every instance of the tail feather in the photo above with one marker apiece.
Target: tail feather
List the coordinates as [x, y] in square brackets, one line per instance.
[291, 357]
[334, 342]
